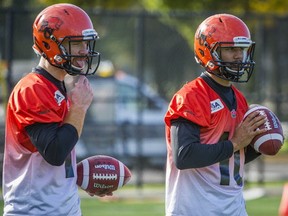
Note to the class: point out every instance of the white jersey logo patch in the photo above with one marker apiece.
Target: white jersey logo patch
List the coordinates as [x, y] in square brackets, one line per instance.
[59, 97]
[216, 105]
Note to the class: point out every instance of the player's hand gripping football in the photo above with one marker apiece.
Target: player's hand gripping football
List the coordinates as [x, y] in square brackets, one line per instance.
[247, 130]
[100, 194]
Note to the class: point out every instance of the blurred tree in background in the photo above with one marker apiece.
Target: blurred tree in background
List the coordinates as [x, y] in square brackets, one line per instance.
[177, 50]
[279, 7]
[244, 6]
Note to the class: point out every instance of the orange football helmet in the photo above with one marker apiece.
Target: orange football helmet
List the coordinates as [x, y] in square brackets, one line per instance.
[65, 23]
[224, 30]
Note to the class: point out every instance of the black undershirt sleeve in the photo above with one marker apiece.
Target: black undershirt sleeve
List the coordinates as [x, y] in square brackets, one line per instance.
[53, 142]
[250, 154]
[187, 150]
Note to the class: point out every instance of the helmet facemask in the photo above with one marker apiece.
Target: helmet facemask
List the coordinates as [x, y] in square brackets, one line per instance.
[238, 71]
[66, 58]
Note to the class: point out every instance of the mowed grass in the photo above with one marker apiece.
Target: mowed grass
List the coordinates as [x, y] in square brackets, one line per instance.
[92, 207]
[266, 206]
[119, 206]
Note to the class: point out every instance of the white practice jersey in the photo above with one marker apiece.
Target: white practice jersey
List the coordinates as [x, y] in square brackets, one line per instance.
[31, 186]
[214, 190]
[29, 191]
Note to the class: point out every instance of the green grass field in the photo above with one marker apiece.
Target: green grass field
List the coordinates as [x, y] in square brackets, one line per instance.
[265, 206]
[122, 207]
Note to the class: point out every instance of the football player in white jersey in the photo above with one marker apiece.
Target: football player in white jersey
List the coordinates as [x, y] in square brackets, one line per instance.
[44, 121]
[207, 142]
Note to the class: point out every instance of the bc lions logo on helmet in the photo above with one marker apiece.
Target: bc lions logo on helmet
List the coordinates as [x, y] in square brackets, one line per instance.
[49, 25]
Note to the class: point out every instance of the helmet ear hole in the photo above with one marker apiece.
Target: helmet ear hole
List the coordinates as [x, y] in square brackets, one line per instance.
[46, 45]
[201, 52]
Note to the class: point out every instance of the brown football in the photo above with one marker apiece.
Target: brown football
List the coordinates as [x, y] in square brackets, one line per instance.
[102, 174]
[271, 141]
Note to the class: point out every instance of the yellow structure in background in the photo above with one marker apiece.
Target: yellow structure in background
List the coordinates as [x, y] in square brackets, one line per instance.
[3, 85]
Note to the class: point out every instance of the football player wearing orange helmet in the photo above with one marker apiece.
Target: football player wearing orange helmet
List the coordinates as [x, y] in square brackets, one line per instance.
[43, 124]
[207, 141]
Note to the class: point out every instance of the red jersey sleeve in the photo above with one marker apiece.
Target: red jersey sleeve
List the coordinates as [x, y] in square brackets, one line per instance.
[34, 100]
[36, 104]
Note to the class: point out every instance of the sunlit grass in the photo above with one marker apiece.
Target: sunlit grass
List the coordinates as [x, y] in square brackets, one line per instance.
[264, 206]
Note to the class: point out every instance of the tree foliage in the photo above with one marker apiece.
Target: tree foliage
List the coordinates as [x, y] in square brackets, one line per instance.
[279, 7]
